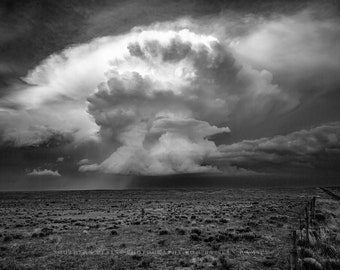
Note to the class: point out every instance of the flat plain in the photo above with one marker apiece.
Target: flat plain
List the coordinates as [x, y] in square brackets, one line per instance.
[159, 229]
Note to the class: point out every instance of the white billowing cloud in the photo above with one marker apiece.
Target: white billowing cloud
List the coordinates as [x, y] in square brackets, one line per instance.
[296, 41]
[169, 94]
[169, 146]
[83, 162]
[54, 102]
[44, 172]
[159, 93]
[302, 50]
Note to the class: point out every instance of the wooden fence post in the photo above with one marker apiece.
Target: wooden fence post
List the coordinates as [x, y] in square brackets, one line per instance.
[143, 213]
[294, 252]
[301, 227]
[313, 208]
[307, 224]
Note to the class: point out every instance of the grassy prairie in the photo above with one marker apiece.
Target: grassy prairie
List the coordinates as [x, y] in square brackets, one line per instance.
[155, 229]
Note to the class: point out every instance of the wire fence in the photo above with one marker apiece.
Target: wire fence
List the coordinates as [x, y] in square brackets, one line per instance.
[313, 241]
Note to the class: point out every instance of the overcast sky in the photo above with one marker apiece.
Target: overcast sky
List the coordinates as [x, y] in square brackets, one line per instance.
[103, 94]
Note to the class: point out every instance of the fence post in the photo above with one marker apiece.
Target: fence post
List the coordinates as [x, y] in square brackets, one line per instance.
[313, 208]
[294, 251]
[307, 224]
[143, 213]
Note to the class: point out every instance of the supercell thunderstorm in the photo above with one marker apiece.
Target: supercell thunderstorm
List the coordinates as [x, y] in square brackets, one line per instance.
[158, 96]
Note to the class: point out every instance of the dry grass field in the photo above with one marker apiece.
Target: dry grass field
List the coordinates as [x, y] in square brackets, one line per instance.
[158, 229]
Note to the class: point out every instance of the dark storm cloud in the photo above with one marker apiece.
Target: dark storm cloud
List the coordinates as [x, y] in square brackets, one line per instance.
[304, 148]
[32, 30]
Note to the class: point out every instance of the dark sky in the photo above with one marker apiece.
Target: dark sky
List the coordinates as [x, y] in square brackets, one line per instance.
[106, 94]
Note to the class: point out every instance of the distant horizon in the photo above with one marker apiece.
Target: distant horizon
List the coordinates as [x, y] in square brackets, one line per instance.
[198, 182]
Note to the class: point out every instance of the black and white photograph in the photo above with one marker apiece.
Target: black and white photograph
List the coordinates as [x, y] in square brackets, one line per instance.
[170, 134]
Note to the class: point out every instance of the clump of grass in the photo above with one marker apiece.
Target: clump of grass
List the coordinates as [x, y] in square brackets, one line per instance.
[328, 250]
[225, 263]
[164, 232]
[311, 264]
[42, 232]
[8, 238]
[223, 220]
[180, 231]
[306, 253]
[146, 262]
[215, 246]
[196, 231]
[114, 232]
[195, 237]
[162, 242]
[269, 261]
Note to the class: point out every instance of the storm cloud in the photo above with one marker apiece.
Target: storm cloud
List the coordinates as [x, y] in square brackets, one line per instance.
[303, 148]
[167, 95]
[159, 95]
